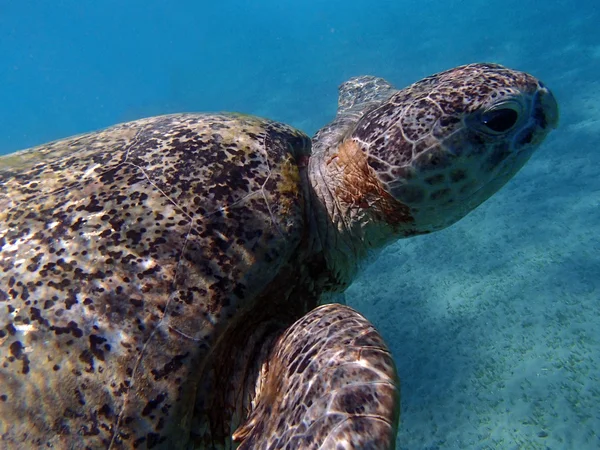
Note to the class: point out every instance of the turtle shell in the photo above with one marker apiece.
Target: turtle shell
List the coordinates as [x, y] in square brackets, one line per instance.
[124, 254]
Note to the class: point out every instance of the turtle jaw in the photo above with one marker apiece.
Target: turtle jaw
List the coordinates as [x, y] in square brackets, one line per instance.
[547, 112]
[440, 196]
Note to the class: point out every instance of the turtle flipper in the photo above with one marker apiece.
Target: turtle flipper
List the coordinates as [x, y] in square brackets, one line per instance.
[362, 90]
[331, 383]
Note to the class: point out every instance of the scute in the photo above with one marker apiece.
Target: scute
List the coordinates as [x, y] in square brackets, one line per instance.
[124, 253]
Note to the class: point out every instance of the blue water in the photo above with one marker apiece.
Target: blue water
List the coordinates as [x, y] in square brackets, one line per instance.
[493, 322]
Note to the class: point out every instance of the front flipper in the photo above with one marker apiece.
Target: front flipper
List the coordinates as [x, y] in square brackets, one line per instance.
[330, 383]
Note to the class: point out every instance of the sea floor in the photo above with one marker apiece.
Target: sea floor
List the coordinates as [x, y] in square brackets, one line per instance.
[495, 322]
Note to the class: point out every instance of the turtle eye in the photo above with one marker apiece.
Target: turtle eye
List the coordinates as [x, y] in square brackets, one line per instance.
[500, 120]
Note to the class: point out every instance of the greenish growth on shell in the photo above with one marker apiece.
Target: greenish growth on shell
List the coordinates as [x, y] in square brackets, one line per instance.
[21, 160]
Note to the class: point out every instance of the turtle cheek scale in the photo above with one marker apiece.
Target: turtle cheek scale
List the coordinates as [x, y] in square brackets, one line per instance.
[455, 164]
[445, 183]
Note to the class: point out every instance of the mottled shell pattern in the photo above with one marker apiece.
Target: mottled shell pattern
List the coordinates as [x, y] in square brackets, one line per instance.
[123, 254]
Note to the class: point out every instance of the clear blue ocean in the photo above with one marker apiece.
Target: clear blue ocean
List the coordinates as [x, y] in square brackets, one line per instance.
[494, 322]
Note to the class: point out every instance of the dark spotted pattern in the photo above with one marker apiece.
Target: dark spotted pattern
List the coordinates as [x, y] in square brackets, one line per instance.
[124, 253]
[331, 383]
[433, 130]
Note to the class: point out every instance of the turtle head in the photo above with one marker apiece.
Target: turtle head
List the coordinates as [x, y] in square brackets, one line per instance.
[434, 151]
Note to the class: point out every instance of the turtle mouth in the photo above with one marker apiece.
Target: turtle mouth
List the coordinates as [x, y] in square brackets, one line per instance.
[544, 118]
[546, 109]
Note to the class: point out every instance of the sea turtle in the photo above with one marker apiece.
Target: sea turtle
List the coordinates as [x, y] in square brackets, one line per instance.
[167, 283]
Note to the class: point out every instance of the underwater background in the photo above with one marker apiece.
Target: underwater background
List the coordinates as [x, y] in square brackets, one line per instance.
[494, 322]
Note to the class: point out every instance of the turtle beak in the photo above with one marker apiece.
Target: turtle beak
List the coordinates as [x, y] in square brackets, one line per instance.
[546, 108]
